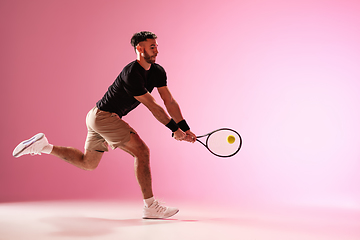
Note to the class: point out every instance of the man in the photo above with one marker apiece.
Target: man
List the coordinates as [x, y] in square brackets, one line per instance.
[105, 126]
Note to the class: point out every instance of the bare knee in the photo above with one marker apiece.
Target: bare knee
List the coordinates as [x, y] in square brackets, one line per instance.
[146, 151]
[142, 155]
[91, 160]
[137, 148]
[88, 166]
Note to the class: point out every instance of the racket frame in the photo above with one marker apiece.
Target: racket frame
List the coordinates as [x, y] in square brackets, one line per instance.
[217, 130]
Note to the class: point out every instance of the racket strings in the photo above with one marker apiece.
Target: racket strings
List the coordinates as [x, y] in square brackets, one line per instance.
[224, 142]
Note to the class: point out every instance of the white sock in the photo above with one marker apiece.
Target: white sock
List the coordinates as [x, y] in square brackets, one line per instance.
[47, 149]
[149, 201]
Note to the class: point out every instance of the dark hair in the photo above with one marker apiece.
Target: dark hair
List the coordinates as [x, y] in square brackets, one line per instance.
[140, 37]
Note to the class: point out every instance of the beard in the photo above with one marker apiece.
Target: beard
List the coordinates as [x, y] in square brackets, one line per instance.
[148, 58]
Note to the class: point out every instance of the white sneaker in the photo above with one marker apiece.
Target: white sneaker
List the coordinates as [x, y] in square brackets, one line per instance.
[31, 146]
[158, 211]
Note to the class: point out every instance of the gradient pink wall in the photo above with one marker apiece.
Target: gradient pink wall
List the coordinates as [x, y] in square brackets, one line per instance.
[285, 74]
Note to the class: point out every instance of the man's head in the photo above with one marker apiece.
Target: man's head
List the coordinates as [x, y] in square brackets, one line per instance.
[145, 46]
[140, 37]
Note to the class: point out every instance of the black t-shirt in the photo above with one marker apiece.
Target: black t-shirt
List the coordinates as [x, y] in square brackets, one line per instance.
[133, 80]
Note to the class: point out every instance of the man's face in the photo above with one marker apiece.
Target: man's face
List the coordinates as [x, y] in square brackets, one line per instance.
[150, 50]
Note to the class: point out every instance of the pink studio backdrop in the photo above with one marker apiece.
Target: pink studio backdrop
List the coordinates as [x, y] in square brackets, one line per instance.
[285, 74]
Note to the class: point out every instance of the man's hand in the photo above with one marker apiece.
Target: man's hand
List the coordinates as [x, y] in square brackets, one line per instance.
[190, 136]
[179, 135]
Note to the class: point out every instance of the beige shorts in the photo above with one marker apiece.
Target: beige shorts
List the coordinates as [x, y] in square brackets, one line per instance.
[106, 128]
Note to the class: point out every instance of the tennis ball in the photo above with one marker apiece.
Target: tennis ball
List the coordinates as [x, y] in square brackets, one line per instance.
[231, 139]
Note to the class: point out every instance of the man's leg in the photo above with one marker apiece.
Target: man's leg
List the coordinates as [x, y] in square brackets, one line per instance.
[87, 161]
[138, 149]
[39, 144]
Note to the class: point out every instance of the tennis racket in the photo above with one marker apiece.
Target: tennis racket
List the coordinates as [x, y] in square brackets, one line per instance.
[223, 142]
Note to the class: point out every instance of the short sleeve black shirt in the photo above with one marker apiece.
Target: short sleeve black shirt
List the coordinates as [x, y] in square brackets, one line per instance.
[133, 80]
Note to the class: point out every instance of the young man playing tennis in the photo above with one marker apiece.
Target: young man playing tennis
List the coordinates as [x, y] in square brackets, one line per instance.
[105, 126]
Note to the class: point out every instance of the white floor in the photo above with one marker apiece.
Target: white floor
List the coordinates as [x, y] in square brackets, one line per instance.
[122, 220]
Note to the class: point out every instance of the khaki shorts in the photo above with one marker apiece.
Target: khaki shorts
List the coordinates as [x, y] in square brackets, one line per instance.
[106, 128]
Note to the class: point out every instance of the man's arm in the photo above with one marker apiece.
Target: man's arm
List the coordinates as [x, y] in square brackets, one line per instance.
[174, 110]
[159, 113]
[171, 105]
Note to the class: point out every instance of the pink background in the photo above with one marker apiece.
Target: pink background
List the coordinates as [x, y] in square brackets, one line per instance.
[285, 74]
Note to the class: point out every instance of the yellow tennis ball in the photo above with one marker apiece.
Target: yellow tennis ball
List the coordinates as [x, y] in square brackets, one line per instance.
[231, 139]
